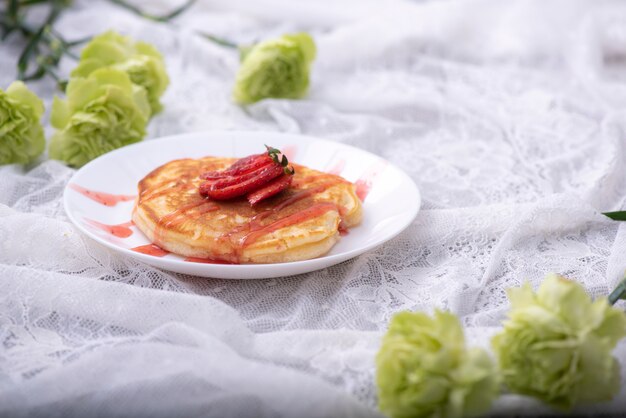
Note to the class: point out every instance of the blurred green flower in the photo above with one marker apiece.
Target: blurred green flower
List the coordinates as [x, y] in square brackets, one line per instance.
[277, 68]
[557, 343]
[102, 112]
[425, 370]
[140, 60]
[21, 134]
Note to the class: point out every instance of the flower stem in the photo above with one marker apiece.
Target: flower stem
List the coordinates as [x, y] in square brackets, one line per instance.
[220, 41]
[77, 42]
[30, 49]
[164, 18]
[31, 2]
[44, 47]
[618, 293]
[32, 46]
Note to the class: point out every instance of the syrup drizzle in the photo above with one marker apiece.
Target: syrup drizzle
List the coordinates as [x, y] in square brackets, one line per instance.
[106, 199]
[257, 231]
[180, 215]
[303, 194]
[181, 185]
[256, 219]
[312, 179]
[120, 230]
[151, 249]
[365, 182]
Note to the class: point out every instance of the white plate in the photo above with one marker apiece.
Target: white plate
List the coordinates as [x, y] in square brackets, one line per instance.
[389, 207]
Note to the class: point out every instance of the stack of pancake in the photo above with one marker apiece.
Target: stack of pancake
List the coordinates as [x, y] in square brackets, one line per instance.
[300, 223]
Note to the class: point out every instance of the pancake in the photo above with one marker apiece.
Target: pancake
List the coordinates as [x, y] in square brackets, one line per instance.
[300, 223]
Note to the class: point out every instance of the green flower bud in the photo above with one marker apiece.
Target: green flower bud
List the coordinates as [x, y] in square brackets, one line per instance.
[102, 112]
[277, 68]
[21, 133]
[425, 370]
[141, 61]
[557, 344]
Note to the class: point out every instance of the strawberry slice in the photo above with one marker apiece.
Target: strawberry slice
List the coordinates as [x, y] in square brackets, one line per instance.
[241, 166]
[257, 177]
[222, 182]
[229, 190]
[274, 187]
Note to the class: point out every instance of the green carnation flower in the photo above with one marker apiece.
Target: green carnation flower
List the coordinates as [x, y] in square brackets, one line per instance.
[21, 134]
[276, 68]
[102, 112]
[425, 370]
[557, 344]
[141, 61]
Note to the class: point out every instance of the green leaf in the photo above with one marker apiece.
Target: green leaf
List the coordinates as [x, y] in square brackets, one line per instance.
[29, 50]
[616, 216]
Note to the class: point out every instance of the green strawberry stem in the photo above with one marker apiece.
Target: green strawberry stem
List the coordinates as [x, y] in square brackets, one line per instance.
[283, 161]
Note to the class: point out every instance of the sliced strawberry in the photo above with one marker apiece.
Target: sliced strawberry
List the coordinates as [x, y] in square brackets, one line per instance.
[257, 177]
[231, 190]
[241, 166]
[270, 189]
[230, 180]
[204, 188]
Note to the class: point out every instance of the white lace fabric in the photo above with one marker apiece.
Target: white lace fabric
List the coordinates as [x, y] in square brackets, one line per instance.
[508, 115]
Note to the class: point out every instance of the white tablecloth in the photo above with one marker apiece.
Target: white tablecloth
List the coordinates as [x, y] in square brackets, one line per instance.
[509, 115]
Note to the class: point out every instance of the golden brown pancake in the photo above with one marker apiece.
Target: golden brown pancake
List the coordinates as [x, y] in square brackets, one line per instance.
[299, 223]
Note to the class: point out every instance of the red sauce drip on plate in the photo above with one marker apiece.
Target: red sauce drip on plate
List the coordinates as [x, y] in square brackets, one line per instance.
[299, 182]
[151, 249]
[290, 151]
[337, 169]
[106, 199]
[363, 188]
[207, 260]
[120, 230]
[364, 184]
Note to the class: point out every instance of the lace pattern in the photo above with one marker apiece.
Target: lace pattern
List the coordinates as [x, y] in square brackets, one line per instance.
[515, 137]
